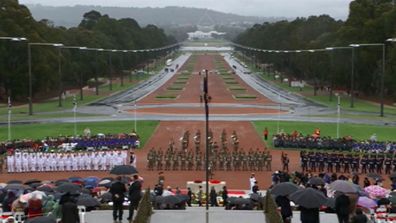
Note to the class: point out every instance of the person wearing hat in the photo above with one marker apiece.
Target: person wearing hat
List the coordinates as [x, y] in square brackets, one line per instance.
[252, 179]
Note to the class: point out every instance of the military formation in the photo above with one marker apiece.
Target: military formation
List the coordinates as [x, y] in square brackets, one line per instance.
[225, 156]
[345, 163]
[51, 162]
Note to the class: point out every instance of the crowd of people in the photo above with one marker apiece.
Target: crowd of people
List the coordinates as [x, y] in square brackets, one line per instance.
[71, 161]
[84, 142]
[315, 141]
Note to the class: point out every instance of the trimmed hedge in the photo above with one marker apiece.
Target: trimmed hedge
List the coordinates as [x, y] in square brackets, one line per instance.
[145, 209]
[231, 82]
[165, 96]
[237, 88]
[245, 96]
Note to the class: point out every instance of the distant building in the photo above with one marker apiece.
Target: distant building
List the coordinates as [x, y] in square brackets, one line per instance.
[197, 35]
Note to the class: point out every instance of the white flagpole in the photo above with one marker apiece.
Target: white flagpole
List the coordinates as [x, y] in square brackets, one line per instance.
[338, 116]
[74, 114]
[9, 118]
[280, 104]
[135, 117]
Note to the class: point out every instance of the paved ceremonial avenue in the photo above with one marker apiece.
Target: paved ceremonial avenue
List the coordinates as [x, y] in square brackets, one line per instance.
[198, 215]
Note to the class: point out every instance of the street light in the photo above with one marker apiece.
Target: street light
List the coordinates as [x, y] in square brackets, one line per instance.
[30, 69]
[382, 45]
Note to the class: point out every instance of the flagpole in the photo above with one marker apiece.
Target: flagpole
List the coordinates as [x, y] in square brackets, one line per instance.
[338, 115]
[74, 114]
[135, 116]
[9, 118]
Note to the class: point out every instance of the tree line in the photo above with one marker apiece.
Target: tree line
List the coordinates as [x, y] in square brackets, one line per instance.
[369, 21]
[94, 31]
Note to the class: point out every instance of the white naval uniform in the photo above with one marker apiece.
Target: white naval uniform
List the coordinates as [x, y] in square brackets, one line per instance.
[11, 164]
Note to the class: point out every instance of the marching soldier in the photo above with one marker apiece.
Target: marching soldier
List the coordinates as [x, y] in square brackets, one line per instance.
[388, 164]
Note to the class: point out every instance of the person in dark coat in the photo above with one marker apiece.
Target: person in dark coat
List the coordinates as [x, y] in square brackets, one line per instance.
[8, 200]
[117, 191]
[342, 204]
[213, 197]
[70, 212]
[309, 215]
[224, 195]
[359, 217]
[135, 195]
[284, 203]
[189, 194]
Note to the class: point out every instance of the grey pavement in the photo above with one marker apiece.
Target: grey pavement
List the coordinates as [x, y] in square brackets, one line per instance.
[198, 215]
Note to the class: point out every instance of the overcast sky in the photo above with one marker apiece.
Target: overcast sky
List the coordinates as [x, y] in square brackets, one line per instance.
[266, 8]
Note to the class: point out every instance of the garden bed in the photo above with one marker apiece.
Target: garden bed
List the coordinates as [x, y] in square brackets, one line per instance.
[245, 96]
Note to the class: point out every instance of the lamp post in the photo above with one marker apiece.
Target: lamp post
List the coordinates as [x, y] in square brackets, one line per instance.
[30, 70]
[382, 45]
[206, 101]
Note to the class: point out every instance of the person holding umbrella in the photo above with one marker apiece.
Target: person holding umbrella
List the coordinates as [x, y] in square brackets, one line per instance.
[342, 204]
[284, 203]
[117, 190]
[135, 191]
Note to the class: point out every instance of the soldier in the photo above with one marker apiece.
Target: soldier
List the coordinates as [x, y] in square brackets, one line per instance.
[364, 163]
[190, 161]
[285, 162]
[175, 161]
[18, 162]
[338, 161]
[168, 160]
[245, 161]
[268, 161]
[372, 162]
[95, 161]
[40, 162]
[33, 162]
[304, 161]
[160, 157]
[330, 159]
[150, 160]
[346, 162]
[312, 162]
[379, 164]
[25, 163]
[355, 164]
[198, 161]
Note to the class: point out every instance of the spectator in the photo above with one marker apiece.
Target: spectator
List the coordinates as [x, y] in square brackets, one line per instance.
[8, 200]
[309, 215]
[255, 188]
[135, 195]
[342, 204]
[117, 191]
[359, 217]
[224, 195]
[213, 197]
[70, 211]
[35, 207]
[286, 212]
[189, 194]
[199, 196]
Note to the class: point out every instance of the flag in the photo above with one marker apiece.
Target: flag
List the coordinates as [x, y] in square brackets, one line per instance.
[9, 103]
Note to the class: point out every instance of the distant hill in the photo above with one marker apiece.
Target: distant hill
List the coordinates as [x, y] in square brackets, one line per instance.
[163, 17]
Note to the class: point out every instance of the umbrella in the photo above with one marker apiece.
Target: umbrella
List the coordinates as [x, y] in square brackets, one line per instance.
[343, 186]
[91, 182]
[171, 200]
[14, 182]
[87, 201]
[383, 201]
[45, 188]
[308, 198]
[105, 183]
[242, 201]
[38, 194]
[231, 200]
[62, 181]
[15, 187]
[75, 179]
[255, 197]
[366, 202]
[44, 219]
[106, 197]
[159, 199]
[123, 170]
[68, 188]
[32, 181]
[2, 185]
[330, 202]
[107, 178]
[183, 197]
[374, 175]
[36, 185]
[283, 189]
[316, 181]
[86, 191]
[376, 191]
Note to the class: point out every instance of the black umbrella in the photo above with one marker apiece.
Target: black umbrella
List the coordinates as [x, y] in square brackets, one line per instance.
[14, 182]
[87, 201]
[123, 170]
[231, 200]
[283, 189]
[35, 185]
[308, 198]
[242, 201]
[32, 181]
[68, 188]
[45, 189]
[86, 191]
[172, 199]
[44, 219]
[316, 181]
[255, 197]
[383, 201]
[60, 182]
[182, 197]
[106, 197]
[374, 175]
[159, 199]
[15, 187]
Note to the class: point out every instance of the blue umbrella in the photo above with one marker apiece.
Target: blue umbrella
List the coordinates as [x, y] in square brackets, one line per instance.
[91, 182]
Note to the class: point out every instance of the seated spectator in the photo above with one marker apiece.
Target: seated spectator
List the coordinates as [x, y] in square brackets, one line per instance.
[35, 207]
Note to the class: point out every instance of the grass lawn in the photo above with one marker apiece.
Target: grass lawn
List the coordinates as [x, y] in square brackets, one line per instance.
[52, 105]
[38, 131]
[307, 91]
[19, 117]
[357, 131]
